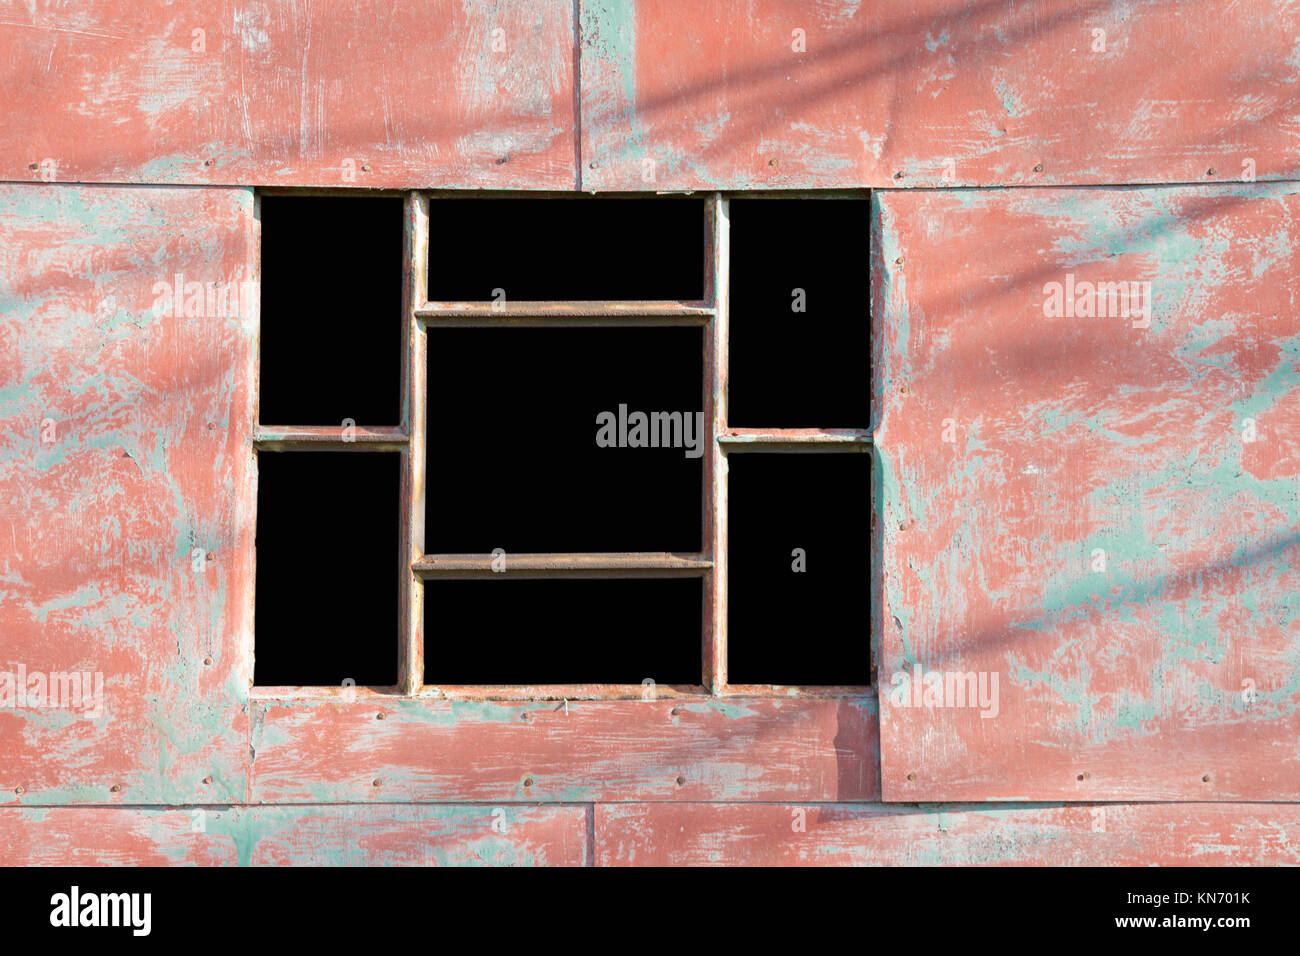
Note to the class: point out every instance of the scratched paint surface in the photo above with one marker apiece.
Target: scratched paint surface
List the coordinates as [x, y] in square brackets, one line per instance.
[1197, 834]
[935, 93]
[341, 93]
[292, 836]
[1101, 514]
[124, 432]
[747, 749]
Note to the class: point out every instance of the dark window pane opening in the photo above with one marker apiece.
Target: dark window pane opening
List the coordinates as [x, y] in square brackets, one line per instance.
[800, 350]
[530, 631]
[798, 569]
[331, 312]
[542, 440]
[565, 249]
[338, 512]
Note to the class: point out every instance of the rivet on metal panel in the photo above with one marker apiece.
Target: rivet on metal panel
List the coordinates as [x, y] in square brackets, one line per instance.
[211, 556]
[207, 661]
[207, 781]
[380, 715]
[528, 781]
[115, 788]
[903, 389]
[377, 782]
[1210, 171]
[1038, 167]
[898, 261]
[681, 780]
[911, 777]
[20, 790]
[1083, 776]
[1205, 779]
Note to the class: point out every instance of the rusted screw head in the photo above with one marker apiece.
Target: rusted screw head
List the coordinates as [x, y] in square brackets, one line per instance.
[1210, 171]
[207, 661]
[20, 790]
[898, 175]
[1083, 776]
[207, 781]
[116, 788]
[911, 777]
[898, 261]
[380, 716]
[528, 781]
[1038, 167]
[377, 782]
[903, 389]
[365, 167]
[1205, 779]
[902, 526]
[681, 780]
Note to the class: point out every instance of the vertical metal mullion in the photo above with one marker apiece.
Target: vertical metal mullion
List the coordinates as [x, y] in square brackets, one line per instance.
[416, 248]
[715, 512]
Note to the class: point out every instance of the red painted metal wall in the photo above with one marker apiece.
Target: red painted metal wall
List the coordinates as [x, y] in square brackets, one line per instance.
[1100, 508]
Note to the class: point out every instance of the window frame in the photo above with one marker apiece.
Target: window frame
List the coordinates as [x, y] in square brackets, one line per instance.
[415, 566]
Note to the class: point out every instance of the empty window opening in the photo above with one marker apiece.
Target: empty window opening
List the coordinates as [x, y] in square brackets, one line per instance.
[524, 631]
[508, 250]
[331, 311]
[565, 439]
[327, 569]
[798, 556]
[800, 354]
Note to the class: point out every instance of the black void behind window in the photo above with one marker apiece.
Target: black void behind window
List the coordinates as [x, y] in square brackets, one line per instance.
[800, 354]
[566, 249]
[541, 440]
[798, 557]
[331, 310]
[339, 512]
[525, 631]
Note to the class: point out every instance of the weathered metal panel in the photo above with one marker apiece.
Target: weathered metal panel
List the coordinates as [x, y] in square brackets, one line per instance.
[126, 493]
[310, 751]
[296, 836]
[694, 834]
[837, 93]
[1096, 510]
[375, 93]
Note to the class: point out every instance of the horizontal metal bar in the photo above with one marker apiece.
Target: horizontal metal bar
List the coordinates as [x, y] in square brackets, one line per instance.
[328, 438]
[795, 439]
[562, 692]
[486, 314]
[616, 564]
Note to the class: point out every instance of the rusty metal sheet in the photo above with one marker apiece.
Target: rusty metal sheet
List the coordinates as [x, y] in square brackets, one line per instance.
[836, 93]
[377, 93]
[1088, 476]
[445, 835]
[694, 834]
[438, 750]
[126, 493]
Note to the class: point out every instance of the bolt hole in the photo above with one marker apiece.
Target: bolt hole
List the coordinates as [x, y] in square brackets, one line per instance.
[528, 781]
[1205, 779]
[116, 788]
[911, 777]
[681, 780]
[377, 782]
[207, 781]
[1038, 167]
[380, 716]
